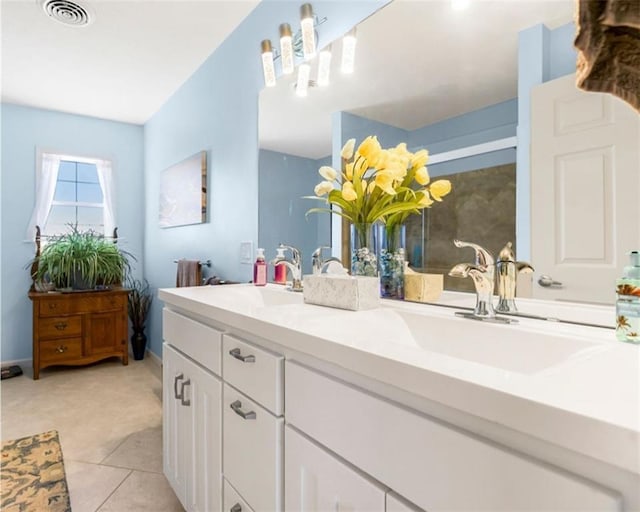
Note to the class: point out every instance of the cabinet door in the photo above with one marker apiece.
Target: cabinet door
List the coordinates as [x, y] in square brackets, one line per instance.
[172, 421]
[106, 333]
[315, 481]
[201, 404]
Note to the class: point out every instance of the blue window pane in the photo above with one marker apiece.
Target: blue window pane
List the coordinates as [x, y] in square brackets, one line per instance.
[67, 171]
[89, 193]
[65, 191]
[87, 173]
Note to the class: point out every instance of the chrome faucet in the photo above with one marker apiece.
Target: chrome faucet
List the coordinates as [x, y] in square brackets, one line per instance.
[482, 273]
[295, 266]
[318, 265]
[507, 274]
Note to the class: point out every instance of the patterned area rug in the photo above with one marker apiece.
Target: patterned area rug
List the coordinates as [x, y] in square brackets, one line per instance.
[32, 475]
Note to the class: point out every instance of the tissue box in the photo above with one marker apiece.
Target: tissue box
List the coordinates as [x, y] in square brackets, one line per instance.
[423, 287]
[342, 291]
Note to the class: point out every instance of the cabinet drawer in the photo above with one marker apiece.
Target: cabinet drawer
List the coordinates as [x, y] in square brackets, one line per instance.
[233, 502]
[111, 302]
[53, 307]
[434, 466]
[61, 350]
[316, 480]
[252, 450]
[254, 371]
[200, 342]
[60, 327]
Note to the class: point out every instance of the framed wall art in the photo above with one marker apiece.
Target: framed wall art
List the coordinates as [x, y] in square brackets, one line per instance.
[183, 192]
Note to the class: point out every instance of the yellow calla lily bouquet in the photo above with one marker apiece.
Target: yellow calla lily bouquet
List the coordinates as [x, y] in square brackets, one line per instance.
[378, 184]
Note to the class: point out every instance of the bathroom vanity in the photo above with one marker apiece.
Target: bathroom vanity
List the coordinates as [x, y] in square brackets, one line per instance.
[271, 404]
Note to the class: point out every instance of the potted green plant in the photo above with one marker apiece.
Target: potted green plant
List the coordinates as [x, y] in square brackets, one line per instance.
[140, 298]
[80, 260]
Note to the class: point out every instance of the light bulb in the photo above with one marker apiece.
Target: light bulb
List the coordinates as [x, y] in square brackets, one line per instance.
[324, 66]
[286, 48]
[268, 69]
[348, 51]
[308, 33]
[302, 85]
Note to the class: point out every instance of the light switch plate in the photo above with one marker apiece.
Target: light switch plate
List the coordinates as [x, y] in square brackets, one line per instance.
[246, 252]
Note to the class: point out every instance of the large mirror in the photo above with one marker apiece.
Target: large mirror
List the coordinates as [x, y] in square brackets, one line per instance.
[461, 83]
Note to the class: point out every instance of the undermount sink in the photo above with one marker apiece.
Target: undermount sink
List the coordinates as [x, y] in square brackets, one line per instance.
[514, 347]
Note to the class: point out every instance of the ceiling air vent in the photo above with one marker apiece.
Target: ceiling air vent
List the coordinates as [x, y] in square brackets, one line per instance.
[67, 12]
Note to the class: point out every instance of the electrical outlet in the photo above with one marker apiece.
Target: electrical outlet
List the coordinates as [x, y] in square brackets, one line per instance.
[246, 252]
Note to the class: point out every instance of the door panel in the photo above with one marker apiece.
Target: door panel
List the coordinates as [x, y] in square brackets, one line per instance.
[585, 184]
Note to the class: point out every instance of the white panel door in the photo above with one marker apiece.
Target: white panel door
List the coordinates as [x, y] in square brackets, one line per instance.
[174, 427]
[315, 481]
[585, 185]
[202, 406]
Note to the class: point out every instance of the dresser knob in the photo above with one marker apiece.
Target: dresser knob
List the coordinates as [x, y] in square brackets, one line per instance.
[61, 349]
[53, 305]
[61, 326]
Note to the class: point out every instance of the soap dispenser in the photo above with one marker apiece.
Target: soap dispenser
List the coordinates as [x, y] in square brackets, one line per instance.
[628, 301]
[260, 269]
[280, 271]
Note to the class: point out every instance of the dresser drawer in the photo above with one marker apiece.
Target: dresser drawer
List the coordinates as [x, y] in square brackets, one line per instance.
[56, 306]
[233, 502]
[60, 327]
[252, 451]
[434, 466]
[60, 350]
[254, 371]
[199, 341]
[111, 302]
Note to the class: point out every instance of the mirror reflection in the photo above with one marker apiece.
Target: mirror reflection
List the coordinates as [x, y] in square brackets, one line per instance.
[478, 96]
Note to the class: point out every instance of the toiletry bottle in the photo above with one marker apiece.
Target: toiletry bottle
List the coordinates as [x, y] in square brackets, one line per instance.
[280, 271]
[260, 269]
[628, 301]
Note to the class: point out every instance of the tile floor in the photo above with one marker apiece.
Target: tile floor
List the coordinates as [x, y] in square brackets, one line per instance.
[109, 418]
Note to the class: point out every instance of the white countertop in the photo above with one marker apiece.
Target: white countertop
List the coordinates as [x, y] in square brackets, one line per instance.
[574, 386]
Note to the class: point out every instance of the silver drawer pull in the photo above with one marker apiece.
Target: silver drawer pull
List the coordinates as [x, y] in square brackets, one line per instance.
[178, 377]
[185, 401]
[61, 349]
[245, 359]
[236, 508]
[236, 406]
[61, 326]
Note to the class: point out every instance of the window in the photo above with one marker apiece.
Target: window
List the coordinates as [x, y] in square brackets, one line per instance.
[72, 190]
[78, 199]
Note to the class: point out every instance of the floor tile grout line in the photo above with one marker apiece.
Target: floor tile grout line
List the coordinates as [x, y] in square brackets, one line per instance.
[114, 450]
[114, 490]
[161, 472]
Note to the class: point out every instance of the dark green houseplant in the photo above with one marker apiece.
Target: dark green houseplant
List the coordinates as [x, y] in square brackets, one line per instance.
[140, 298]
[80, 260]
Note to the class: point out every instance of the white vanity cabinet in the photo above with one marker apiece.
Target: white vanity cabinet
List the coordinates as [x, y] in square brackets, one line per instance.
[433, 465]
[316, 481]
[191, 416]
[252, 407]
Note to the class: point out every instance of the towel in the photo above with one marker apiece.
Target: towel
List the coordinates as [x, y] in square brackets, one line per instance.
[608, 43]
[189, 273]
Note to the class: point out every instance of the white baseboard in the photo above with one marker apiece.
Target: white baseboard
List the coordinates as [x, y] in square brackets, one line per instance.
[23, 363]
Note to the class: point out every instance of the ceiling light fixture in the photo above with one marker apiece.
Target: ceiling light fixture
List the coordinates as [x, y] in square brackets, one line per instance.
[348, 51]
[268, 68]
[324, 66]
[308, 31]
[286, 48]
[302, 85]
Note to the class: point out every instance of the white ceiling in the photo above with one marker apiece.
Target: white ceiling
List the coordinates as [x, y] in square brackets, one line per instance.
[417, 62]
[123, 66]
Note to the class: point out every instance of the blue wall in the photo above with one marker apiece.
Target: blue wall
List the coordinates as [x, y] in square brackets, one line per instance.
[23, 130]
[217, 110]
[543, 55]
[283, 181]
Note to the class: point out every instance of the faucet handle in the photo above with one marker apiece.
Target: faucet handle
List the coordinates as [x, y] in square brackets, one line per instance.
[483, 257]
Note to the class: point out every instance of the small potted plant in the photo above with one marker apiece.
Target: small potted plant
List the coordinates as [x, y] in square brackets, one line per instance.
[140, 298]
[80, 260]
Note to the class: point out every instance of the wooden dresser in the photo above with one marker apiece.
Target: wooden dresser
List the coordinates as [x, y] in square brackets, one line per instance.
[78, 328]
